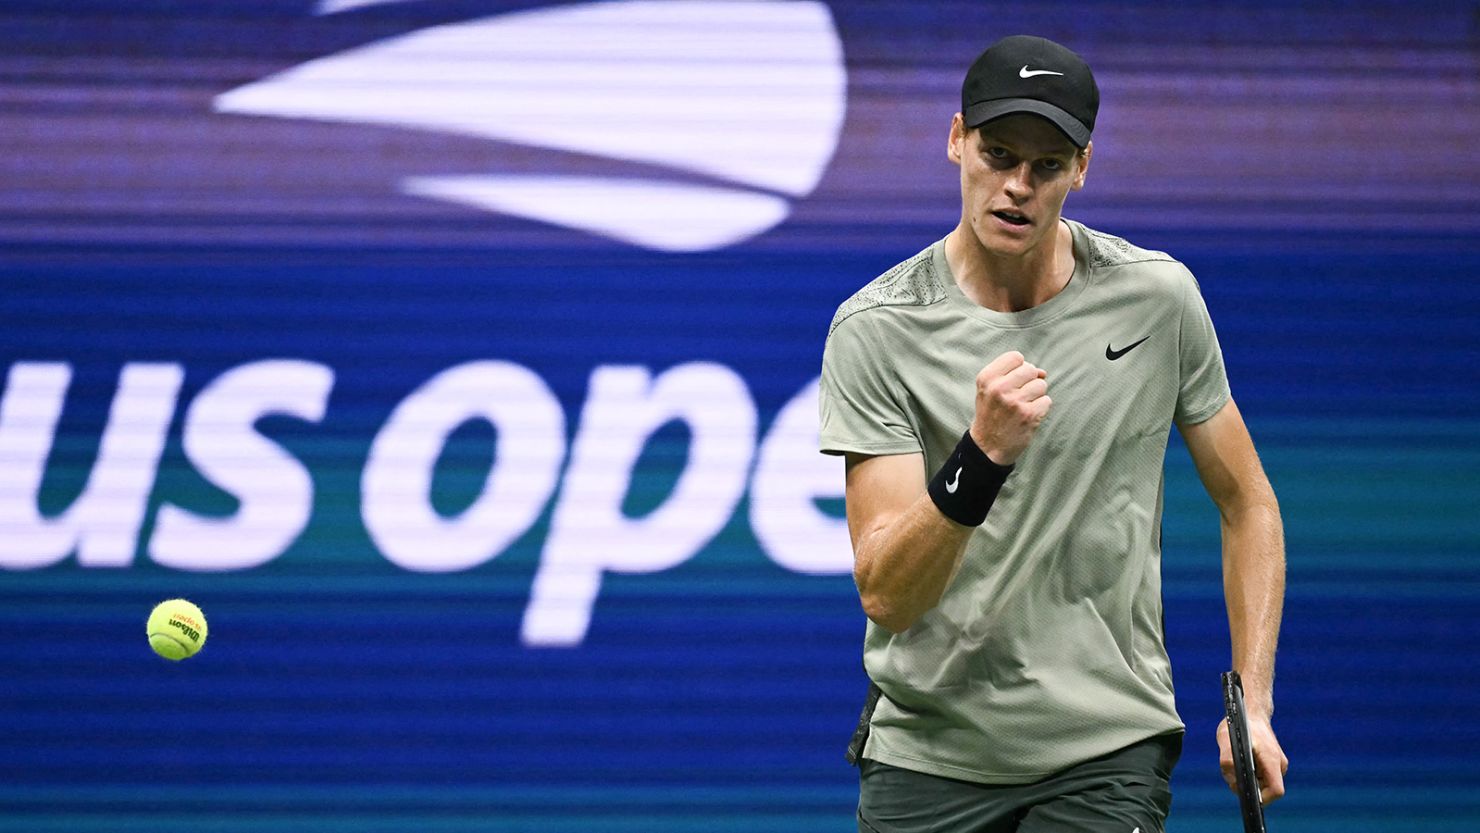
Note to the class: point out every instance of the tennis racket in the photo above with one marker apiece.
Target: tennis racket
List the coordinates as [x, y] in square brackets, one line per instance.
[1246, 781]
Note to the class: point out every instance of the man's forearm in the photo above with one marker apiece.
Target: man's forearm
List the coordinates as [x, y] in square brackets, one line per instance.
[907, 554]
[1254, 589]
[903, 568]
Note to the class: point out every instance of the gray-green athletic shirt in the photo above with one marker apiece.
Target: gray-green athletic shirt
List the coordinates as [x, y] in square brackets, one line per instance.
[1046, 649]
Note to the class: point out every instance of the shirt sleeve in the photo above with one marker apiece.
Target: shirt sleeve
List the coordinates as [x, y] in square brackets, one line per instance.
[1203, 384]
[862, 409]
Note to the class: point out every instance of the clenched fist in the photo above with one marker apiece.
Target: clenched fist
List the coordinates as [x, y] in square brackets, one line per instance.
[1011, 400]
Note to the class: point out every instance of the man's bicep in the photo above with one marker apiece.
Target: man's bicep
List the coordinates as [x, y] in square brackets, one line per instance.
[879, 489]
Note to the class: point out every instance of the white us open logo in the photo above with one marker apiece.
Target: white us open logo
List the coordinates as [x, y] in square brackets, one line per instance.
[742, 101]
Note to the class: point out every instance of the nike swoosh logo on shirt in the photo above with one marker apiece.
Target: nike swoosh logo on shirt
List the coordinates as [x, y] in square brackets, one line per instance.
[953, 483]
[1112, 354]
[1029, 73]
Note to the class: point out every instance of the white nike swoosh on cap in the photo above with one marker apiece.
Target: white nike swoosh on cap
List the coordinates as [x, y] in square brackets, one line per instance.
[1029, 73]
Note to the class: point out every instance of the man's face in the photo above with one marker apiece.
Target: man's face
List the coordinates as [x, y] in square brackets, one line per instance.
[1016, 172]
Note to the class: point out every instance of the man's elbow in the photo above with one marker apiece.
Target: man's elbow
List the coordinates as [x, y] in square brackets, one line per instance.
[883, 608]
[882, 612]
[1255, 508]
[1250, 502]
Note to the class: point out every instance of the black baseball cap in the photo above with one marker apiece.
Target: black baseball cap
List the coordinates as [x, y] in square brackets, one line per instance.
[1026, 74]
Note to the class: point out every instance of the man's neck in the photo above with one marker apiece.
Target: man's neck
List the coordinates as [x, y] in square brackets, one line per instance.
[1010, 284]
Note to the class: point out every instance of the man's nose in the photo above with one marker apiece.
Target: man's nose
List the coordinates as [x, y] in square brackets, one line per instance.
[1019, 184]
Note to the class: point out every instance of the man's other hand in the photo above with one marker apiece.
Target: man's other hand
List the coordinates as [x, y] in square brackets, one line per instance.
[1269, 760]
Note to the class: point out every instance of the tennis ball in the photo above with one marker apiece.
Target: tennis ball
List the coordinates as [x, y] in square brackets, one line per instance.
[177, 629]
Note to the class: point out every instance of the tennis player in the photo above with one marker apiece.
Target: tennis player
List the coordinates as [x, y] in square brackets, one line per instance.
[1004, 399]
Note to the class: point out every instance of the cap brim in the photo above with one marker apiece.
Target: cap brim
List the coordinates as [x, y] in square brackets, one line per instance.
[984, 111]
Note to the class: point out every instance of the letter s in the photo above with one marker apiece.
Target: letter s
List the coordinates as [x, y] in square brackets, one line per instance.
[275, 490]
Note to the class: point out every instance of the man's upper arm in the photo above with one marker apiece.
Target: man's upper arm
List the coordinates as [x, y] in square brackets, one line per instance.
[861, 409]
[1226, 461]
[863, 417]
[879, 489]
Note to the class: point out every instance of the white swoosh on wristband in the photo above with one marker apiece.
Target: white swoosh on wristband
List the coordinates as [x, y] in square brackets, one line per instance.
[953, 483]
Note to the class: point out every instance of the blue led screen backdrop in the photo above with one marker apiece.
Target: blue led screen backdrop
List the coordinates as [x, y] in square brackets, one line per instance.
[459, 359]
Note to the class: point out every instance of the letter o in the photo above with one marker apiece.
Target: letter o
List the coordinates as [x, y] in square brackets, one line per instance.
[395, 490]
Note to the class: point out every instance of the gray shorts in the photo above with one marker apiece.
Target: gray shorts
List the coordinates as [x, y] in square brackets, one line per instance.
[1123, 792]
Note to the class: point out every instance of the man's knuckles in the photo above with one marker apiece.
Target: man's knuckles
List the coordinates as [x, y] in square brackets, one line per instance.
[1009, 384]
[1001, 365]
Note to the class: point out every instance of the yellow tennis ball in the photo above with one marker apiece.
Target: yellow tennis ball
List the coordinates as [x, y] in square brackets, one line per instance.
[177, 629]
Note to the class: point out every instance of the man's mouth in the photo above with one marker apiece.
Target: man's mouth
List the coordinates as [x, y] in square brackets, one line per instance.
[1011, 217]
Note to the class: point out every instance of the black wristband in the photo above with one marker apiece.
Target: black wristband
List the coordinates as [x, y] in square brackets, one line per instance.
[968, 483]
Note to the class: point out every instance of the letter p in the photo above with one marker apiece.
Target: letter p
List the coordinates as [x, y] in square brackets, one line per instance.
[590, 534]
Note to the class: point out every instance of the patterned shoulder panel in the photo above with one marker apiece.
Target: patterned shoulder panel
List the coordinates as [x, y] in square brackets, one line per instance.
[907, 284]
[1106, 250]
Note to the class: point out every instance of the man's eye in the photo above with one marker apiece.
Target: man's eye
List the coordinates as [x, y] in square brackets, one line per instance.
[1052, 164]
[997, 153]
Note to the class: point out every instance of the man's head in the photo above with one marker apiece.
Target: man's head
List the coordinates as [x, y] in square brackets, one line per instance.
[1022, 139]
[1024, 74]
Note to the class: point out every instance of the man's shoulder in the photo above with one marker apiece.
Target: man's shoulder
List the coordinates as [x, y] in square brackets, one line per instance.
[911, 282]
[1117, 259]
[1106, 251]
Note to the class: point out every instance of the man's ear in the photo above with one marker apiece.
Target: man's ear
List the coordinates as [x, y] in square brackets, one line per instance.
[1082, 163]
[956, 144]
